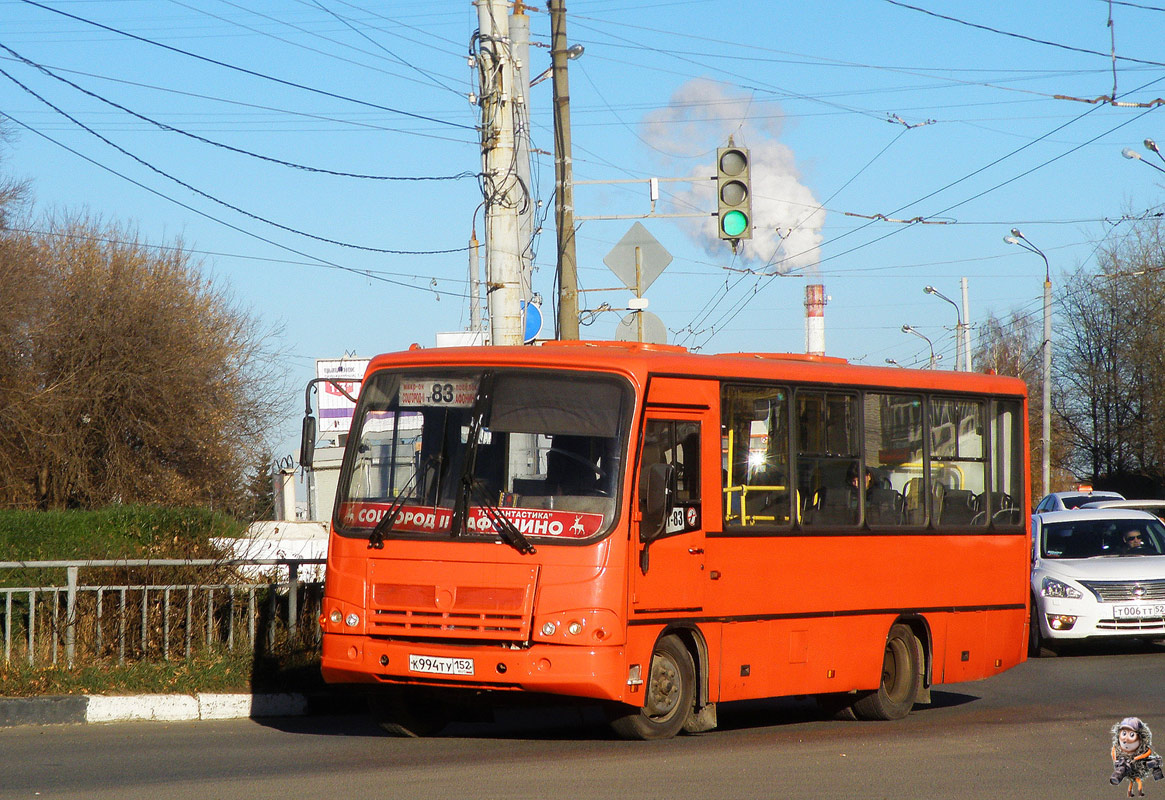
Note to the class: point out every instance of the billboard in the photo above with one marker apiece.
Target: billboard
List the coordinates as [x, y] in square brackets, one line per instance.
[335, 410]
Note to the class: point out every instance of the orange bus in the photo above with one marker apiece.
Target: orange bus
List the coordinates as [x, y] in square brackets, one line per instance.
[663, 531]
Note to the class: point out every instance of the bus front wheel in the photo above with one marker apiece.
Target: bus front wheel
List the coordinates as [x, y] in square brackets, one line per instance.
[898, 687]
[670, 694]
[409, 714]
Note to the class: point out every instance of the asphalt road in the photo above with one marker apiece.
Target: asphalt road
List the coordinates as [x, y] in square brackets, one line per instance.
[1041, 730]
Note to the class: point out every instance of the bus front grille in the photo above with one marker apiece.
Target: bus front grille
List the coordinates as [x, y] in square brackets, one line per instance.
[451, 600]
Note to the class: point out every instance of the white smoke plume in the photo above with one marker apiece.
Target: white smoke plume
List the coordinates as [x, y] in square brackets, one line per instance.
[787, 219]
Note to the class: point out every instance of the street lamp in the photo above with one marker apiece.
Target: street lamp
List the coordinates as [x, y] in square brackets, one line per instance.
[572, 52]
[1129, 152]
[1046, 439]
[910, 329]
[894, 363]
[962, 356]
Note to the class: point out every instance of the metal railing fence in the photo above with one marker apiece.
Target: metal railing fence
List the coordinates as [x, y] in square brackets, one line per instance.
[152, 609]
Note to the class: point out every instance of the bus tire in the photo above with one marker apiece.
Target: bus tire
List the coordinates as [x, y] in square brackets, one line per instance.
[670, 695]
[407, 715]
[898, 687]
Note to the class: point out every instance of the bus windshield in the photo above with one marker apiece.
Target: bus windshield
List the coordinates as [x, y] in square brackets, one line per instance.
[480, 453]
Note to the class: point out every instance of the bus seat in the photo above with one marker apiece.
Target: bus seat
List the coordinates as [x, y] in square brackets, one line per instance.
[567, 469]
[883, 507]
[836, 505]
[913, 502]
[958, 507]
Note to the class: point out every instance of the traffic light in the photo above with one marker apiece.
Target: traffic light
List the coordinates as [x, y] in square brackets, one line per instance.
[733, 193]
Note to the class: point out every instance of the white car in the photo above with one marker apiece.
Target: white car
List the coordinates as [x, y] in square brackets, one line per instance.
[1096, 574]
[1062, 501]
[1154, 507]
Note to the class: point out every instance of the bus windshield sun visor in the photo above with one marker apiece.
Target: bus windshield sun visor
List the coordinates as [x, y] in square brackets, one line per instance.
[553, 404]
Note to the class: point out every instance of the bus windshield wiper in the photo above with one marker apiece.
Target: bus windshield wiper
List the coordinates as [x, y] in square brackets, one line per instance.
[384, 525]
[504, 526]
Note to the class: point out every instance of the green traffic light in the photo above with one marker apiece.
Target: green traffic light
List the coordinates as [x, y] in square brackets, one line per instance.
[734, 223]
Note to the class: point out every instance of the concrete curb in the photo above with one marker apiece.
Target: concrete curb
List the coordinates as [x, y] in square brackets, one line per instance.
[157, 707]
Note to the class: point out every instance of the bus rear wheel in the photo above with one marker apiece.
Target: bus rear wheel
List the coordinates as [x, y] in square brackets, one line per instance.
[670, 694]
[898, 687]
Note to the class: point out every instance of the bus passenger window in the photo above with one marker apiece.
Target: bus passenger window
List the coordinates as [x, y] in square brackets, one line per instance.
[755, 456]
[958, 462]
[828, 478]
[893, 455]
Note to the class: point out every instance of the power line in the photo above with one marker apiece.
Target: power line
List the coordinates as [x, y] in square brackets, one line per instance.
[1025, 38]
[317, 260]
[250, 72]
[230, 101]
[204, 140]
[432, 79]
[214, 199]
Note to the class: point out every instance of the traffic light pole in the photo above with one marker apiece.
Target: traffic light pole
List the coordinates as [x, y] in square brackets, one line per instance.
[563, 177]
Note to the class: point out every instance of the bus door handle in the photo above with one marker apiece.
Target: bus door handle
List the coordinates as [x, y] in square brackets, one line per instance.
[696, 551]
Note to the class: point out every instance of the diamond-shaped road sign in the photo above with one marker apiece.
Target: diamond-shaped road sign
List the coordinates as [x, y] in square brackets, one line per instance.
[637, 259]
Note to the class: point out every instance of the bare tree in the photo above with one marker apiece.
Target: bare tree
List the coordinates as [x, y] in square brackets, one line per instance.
[133, 378]
[1113, 362]
[1013, 347]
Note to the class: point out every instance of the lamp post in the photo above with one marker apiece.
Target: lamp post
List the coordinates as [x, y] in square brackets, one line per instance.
[1129, 152]
[1046, 439]
[910, 329]
[894, 363]
[962, 357]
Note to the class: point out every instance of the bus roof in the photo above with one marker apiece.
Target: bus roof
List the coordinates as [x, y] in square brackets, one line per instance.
[644, 359]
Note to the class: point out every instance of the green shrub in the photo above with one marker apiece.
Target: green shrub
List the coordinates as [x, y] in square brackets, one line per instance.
[114, 532]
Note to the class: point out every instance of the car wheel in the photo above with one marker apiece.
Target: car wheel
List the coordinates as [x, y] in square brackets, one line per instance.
[1037, 643]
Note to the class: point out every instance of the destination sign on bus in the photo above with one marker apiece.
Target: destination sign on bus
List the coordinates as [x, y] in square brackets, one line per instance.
[427, 519]
[443, 392]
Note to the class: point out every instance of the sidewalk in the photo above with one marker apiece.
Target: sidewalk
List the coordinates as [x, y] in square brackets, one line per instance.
[158, 707]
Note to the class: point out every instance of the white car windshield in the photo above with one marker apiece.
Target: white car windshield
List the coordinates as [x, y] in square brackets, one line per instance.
[1090, 538]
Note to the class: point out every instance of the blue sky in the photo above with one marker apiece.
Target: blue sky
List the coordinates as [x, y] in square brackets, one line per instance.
[852, 109]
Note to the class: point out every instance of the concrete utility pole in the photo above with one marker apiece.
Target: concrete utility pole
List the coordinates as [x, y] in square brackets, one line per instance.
[520, 56]
[474, 284]
[502, 190]
[966, 328]
[563, 177]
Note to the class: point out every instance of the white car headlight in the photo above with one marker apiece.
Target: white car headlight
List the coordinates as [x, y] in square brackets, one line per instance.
[1054, 588]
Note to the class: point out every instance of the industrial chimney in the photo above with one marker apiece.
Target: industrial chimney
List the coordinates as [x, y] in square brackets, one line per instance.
[815, 300]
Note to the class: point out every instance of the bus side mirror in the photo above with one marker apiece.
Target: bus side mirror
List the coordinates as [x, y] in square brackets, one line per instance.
[657, 501]
[307, 444]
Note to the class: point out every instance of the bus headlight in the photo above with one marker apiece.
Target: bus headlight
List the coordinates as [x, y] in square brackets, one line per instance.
[352, 620]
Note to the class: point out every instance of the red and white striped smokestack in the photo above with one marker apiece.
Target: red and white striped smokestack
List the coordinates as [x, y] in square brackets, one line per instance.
[815, 319]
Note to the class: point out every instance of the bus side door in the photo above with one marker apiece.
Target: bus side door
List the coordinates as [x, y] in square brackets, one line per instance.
[669, 573]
